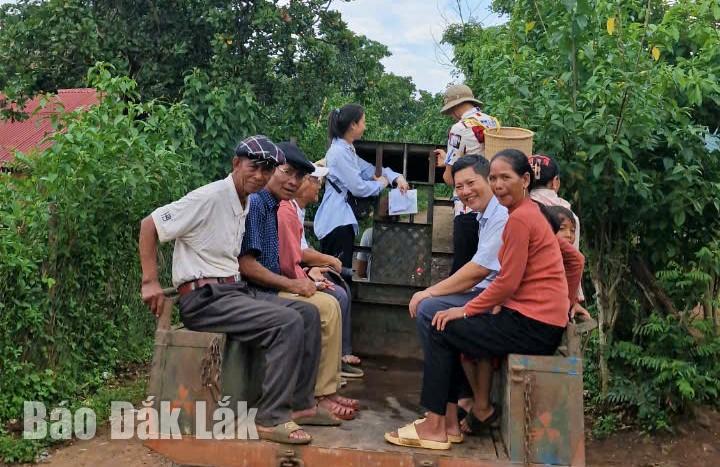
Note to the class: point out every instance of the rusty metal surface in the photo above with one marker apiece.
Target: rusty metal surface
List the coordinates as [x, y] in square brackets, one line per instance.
[556, 431]
[389, 396]
[236, 453]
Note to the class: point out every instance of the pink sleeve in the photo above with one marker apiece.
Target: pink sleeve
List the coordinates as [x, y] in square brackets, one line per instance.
[289, 243]
[574, 262]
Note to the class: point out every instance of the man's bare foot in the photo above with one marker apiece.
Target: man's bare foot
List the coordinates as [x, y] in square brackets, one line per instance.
[351, 359]
[298, 434]
[309, 412]
[352, 403]
[340, 411]
[465, 403]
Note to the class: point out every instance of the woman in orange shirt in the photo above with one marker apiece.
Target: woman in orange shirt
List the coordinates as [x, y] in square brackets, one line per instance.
[525, 310]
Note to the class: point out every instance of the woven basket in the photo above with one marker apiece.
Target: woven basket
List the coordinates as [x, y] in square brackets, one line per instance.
[508, 137]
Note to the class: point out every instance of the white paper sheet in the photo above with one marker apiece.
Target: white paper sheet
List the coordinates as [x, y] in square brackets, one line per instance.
[402, 203]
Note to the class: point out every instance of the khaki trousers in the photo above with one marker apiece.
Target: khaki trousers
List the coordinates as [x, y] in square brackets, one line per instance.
[328, 376]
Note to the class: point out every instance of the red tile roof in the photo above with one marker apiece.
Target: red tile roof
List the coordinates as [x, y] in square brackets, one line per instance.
[29, 134]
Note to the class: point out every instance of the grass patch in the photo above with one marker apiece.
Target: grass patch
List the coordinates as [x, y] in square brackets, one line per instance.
[130, 386]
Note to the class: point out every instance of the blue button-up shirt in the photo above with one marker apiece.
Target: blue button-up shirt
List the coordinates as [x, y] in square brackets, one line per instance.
[350, 173]
[261, 230]
[492, 223]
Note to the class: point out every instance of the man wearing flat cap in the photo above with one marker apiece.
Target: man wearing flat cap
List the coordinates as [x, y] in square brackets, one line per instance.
[260, 264]
[208, 226]
[466, 137]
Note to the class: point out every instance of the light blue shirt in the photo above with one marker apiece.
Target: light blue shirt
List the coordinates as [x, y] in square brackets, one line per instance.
[349, 173]
[492, 223]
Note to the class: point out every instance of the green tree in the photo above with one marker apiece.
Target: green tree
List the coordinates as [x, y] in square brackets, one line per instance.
[68, 238]
[617, 91]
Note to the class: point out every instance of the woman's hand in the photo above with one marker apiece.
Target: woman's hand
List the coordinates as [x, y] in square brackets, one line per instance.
[402, 184]
[382, 179]
[441, 318]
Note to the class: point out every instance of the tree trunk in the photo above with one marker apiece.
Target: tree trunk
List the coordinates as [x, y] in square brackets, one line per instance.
[606, 275]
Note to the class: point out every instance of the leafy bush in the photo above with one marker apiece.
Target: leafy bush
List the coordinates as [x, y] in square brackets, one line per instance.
[70, 310]
[666, 368]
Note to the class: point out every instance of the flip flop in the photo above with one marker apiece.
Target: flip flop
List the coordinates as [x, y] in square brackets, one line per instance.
[322, 417]
[349, 371]
[407, 436]
[281, 434]
[454, 439]
[476, 425]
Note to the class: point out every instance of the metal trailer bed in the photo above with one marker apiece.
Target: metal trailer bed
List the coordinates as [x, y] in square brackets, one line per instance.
[540, 397]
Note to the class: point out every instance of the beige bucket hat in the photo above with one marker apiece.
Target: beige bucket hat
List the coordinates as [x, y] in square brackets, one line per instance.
[457, 94]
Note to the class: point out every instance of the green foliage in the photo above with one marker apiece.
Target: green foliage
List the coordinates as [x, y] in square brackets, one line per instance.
[668, 367]
[220, 113]
[68, 238]
[605, 425]
[15, 449]
[622, 93]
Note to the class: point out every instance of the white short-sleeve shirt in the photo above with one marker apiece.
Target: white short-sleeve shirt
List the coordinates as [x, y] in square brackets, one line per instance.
[492, 223]
[207, 225]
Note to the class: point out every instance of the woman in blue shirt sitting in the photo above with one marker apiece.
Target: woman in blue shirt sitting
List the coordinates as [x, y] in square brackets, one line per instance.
[335, 224]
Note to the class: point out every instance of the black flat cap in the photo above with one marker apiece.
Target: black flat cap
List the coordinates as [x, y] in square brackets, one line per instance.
[260, 147]
[295, 157]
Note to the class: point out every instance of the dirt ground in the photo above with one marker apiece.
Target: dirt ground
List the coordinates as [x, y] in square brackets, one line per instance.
[695, 445]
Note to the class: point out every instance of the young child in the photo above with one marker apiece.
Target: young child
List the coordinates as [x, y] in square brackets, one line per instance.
[566, 220]
[564, 225]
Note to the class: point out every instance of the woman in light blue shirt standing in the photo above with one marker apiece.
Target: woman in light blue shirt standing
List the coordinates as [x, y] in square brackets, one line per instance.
[335, 224]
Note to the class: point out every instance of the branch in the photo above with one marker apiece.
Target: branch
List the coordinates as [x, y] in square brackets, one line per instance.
[649, 286]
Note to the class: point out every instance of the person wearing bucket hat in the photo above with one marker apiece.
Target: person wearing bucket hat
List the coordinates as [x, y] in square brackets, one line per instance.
[466, 137]
[208, 227]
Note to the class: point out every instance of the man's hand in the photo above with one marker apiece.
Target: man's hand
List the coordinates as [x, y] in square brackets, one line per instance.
[335, 263]
[441, 318]
[402, 184]
[303, 287]
[153, 296]
[579, 310]
[440, 156]
[321, 282]
[415, 301]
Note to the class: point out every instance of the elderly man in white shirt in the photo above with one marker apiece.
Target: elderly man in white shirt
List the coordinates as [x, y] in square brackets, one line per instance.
[207, 226]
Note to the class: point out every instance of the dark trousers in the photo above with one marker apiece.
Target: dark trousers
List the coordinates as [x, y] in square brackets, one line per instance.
[480, 336]
[425, 313]
[287, 331]
[465, 239]
[339, 243]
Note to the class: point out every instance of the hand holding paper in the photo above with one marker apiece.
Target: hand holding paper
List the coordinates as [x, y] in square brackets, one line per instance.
[400, 203]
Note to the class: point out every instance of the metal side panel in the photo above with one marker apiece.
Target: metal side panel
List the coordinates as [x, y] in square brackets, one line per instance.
[402, 253]
[551, 388]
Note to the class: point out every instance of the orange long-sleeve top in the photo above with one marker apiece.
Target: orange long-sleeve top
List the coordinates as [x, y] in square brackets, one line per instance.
[536, 270]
